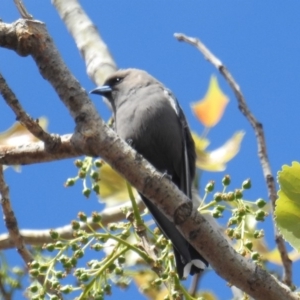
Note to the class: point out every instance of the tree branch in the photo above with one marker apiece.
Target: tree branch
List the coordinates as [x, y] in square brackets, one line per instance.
[99, 62]
[261, 144]
[11, 221]
[35, 152]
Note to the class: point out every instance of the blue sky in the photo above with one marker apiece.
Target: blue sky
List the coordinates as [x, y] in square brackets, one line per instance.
[257, 40]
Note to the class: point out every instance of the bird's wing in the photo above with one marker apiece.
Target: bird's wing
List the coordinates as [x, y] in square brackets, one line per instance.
[188, 162]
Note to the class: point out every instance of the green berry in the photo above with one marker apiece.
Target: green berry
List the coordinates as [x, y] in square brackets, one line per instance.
[260, 202]
[226, 180]
[246, 184]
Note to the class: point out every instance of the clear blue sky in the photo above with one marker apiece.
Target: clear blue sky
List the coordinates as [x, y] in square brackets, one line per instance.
[257, 40]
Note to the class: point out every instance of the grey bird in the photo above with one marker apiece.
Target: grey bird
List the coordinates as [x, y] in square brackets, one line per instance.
[149, 118]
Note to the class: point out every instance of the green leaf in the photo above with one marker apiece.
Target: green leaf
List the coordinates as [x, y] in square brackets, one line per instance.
[287, 211]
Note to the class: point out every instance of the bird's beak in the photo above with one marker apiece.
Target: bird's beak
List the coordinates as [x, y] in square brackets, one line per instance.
[101, 90]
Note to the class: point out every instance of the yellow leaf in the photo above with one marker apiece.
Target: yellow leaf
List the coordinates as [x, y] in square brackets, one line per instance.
[113, 189]
[215, 161]
[17, 134]
[210, 109]
[274, 256]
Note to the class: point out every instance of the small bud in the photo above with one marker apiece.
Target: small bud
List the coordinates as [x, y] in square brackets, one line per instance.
[43, 268]
[84, 277]
[103, 238]
[98, 163]
[86, 192]
[232, 221]
[249, 245]
[111, 267]
[95, 175]
[238, 194]
[210, 186]
[82, 216]
[75, 225]
[54, 297]
[119, 271]
[59, 245]
[226, 180]
[59, 275]
[246, 185]
[73, 262]
[78, 163]
[97, 247]
[79, 253]
[66, 289]
[84, 239]
[157, 281]
[96, 217]
[241, 212]
[74, 247]
[96, 188]
[107, 289]
[260, 202]
[81, 174]
[258, 234]
[63, 259]
[260, 215]
[70, 182]
[33, 288]
[237, 235]
[216, 214]
[121, 259]
[220, 208]
[34, 273]
[34, 264]
[50, 247]
[255, 255]
[218, 197]
[230, 232]
[112, 226]
[54, 234]
[230, 196]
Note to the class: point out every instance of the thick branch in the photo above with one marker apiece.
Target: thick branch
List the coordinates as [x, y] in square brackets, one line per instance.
[33, 153]
[261, 144]
[99, 62]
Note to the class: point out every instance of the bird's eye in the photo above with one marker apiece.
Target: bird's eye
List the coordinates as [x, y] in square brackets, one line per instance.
[116, 80]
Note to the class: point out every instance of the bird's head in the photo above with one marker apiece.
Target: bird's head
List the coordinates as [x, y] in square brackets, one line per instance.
[121, 84]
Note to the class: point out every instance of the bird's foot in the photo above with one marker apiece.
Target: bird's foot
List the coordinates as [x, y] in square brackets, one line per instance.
[166, 175]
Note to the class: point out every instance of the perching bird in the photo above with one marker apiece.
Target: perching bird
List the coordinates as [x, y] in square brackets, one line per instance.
[148, 116]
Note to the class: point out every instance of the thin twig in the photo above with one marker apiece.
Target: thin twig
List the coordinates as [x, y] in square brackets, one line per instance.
[261, 144]
[22, 10]
[11, 221]
[51, 141]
